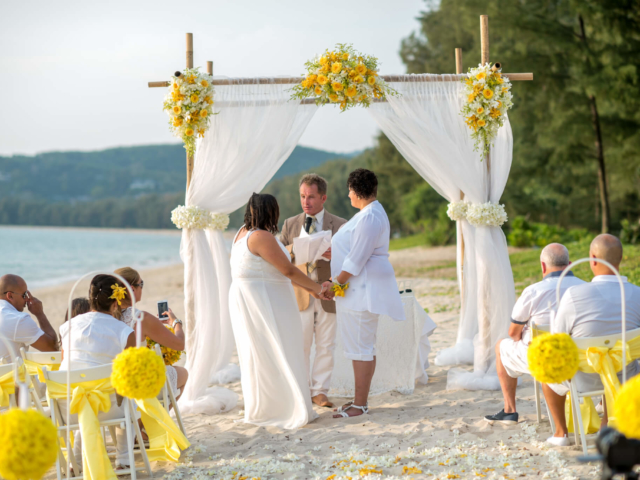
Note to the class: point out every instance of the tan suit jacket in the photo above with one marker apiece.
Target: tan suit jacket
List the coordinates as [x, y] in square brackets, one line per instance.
[290, 230]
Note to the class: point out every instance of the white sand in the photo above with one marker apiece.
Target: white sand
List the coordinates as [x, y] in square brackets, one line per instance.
[439, 432]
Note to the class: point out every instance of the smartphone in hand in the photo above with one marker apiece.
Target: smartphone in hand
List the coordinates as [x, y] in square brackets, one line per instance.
[163, 306]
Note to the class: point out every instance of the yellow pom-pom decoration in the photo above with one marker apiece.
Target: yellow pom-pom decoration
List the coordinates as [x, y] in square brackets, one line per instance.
[28, 441]
[627, 408]
[169, 355]
[138, 373]
[553, 358]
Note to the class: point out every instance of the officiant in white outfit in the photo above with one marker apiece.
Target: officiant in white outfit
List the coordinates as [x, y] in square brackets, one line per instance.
[360, 258]
[318, 317]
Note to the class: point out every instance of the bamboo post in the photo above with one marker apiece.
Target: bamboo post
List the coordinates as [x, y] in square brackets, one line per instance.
[210, 67]
[458, 61]
[189, 65]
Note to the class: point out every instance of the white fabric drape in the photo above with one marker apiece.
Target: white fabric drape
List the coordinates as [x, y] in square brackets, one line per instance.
[425, 125]
[256, 130]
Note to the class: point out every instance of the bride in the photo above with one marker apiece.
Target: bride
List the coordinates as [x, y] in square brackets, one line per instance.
[266, 322]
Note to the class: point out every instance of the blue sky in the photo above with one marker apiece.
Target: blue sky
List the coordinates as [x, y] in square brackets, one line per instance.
[75, 73]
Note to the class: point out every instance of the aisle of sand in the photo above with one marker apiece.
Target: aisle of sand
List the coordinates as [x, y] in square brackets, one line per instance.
[436, 432]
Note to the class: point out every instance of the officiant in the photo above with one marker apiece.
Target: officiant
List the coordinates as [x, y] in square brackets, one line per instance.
[318, 316]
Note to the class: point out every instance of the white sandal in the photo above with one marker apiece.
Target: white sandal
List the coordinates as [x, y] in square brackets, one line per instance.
[343, 412]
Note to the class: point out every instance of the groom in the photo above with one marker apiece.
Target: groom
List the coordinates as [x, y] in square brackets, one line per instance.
[318, 316]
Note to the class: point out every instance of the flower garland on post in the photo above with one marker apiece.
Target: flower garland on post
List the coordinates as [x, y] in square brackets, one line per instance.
[488, 97]
[194, 217]
[189, 104]
[478, 214]
[343, 76]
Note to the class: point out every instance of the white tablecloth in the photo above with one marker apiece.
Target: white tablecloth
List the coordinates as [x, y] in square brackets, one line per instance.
[402, 354]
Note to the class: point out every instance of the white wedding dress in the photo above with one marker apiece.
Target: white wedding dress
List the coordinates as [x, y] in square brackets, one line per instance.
[268, 331]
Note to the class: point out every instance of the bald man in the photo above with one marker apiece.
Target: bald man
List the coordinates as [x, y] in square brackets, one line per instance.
[16, 325]
[534, 305]
[593, 310]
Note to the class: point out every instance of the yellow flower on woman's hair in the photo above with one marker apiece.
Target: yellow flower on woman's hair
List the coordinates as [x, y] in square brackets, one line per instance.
[138, 373]
[28, 440]
[118, 293]
[334, 97]
[188, 132]
[488, 93]
[337, 86]
[371, 80]
[480, 110]
[481, 75]
[351, 91]
[322, 79]
[553, 358]
[336, 67]
[204, 83]
[361, 68]
[627, 408]
[194, 98]
[177, 109]
[481, 123]
[318, 90]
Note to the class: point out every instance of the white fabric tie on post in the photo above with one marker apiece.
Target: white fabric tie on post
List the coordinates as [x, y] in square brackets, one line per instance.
[425, 125]
[245, 146]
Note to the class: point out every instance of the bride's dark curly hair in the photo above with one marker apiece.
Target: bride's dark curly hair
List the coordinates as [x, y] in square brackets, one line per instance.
[262, 213]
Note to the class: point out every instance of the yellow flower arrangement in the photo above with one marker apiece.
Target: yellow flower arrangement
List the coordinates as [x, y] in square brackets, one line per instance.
[339, 289]
[343, 76]
[488, 97]
[28, 441]
[189, 104]
[118, 293]
[169, 355]
[553, 358]
[627, 408]
[138, 373]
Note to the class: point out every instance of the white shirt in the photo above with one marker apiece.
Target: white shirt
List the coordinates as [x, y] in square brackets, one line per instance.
[538, 300]
[96, 339]
[318, 222]
[594, 309]
[361, 247]
[18, 327]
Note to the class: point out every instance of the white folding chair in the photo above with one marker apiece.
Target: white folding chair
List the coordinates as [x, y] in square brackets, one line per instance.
[127, 422]
[45, 359]
[168, 396]
[583, 343]
[4, 369]
[536, 385]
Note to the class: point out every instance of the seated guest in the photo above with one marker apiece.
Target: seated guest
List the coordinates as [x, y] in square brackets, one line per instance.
[16, 325]
[593, 310]
[154, 328]
[97, 337]
[534, 305]
[79, 306]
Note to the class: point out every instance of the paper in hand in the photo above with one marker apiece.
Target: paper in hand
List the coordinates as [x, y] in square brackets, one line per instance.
[310, 248]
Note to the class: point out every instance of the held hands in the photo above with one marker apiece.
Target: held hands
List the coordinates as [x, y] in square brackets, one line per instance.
[327, 294]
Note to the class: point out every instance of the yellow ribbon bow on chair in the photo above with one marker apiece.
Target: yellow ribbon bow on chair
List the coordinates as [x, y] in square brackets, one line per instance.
[165, 438]
[7, 387]
[87, 399]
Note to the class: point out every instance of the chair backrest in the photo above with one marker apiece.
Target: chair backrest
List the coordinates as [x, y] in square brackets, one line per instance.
[77, 376]
[606, 341]
[43, 358]
[4, 369]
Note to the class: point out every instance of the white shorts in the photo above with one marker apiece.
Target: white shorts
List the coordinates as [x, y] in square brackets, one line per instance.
[358, 332]
[514, 357]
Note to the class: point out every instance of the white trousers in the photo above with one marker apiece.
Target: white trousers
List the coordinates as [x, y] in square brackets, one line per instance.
[321, 326]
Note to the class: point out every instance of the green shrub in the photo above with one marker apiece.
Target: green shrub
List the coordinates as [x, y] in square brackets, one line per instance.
[531, 234]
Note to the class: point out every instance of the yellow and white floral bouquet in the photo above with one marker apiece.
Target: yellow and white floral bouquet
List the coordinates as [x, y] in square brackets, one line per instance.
[488, 97]
[343, 76]
[189, 104]
[169, 355]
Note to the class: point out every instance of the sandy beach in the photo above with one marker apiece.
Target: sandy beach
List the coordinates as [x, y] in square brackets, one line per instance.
[433, 433]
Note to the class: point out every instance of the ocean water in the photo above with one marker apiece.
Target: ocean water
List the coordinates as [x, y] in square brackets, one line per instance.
[46, 256]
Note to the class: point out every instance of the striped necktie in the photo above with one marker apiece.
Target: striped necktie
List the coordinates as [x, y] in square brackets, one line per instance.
[311, 266]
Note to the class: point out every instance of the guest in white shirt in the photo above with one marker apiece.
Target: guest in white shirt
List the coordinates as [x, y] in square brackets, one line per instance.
[534, 305]
[96, 339]
[16, 325]
[360, 257]
[593, 310]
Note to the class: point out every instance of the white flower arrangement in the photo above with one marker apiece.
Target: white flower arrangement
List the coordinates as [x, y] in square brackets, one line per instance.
[488, 97]
[478, 214]
[196, 218]
[189, 104]
[343, 76]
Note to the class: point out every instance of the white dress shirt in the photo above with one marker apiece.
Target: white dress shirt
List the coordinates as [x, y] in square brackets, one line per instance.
[18, 327]
[361, 247]
[594, 309]
[538, 300]
[318, 222]
[96, 339]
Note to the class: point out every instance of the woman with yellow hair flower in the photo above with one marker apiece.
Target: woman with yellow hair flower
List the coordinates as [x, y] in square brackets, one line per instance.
[96, 338]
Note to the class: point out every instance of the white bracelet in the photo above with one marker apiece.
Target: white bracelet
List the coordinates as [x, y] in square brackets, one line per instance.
[322, 288]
